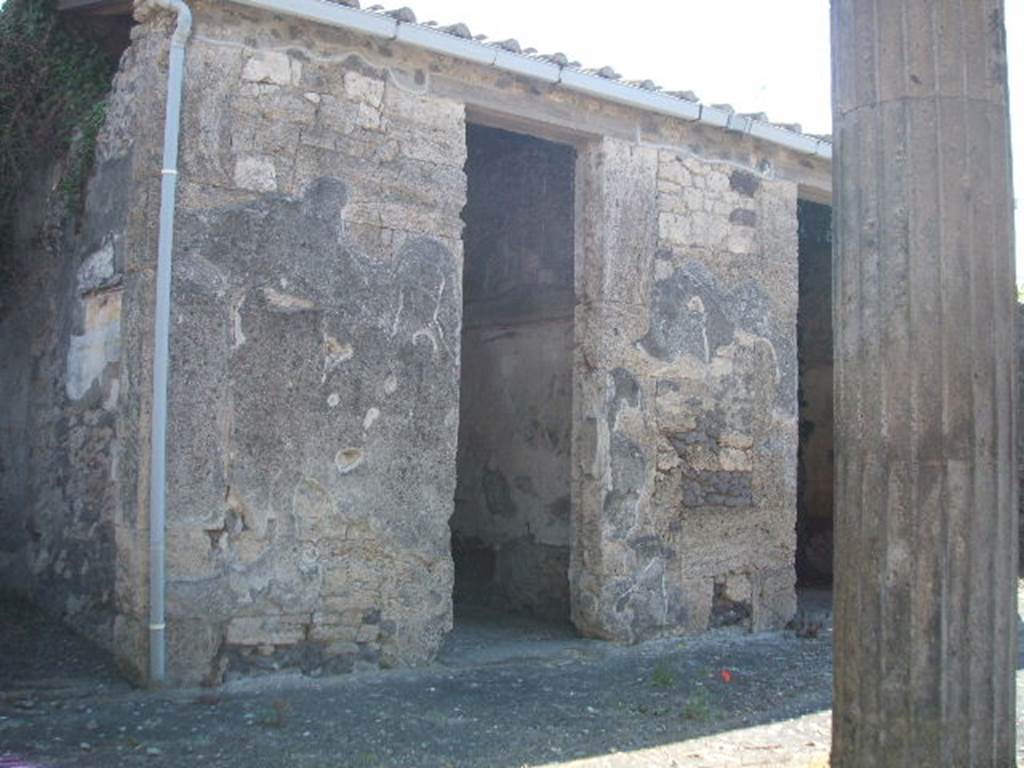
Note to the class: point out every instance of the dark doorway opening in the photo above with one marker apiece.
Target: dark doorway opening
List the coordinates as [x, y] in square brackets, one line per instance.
[814, 349]
[510, 527]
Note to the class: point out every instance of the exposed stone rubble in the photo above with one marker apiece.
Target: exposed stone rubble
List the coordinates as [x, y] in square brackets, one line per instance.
[689, 388]
[315, 373]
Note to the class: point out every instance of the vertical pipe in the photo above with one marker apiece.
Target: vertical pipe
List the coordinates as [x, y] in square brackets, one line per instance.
[161, 342]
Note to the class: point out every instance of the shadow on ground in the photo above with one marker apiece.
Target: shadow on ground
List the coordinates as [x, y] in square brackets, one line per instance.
[505, 692]
[501, 694]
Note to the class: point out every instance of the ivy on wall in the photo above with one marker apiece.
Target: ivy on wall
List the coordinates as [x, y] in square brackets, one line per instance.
[53, 88]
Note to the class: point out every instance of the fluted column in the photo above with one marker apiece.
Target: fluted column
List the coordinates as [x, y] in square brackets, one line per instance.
[926, 544]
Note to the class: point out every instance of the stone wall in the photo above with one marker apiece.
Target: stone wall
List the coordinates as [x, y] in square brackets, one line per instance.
[511, 521]
[685, 455]
[69, 534]
[315, 372]
[59, 350]
[315, 355]
[316, 347]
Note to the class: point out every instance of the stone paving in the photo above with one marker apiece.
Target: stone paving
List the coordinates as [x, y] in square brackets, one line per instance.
[501, 694]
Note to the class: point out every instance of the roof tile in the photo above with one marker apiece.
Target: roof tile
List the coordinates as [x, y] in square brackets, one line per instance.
[511, 45]
[404, 14]
[461, 30]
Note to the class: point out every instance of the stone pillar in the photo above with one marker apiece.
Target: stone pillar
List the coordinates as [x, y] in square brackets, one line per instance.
[926, 537]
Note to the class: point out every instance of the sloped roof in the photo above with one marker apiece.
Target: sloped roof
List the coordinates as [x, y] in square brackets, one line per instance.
[722, 115]
[457, 40]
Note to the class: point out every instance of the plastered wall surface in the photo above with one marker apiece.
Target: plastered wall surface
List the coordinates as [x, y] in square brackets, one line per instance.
[315, 372]
[71, 453]
[686, 396]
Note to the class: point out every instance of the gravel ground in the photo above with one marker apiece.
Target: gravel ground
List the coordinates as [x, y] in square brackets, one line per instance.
[501, 694]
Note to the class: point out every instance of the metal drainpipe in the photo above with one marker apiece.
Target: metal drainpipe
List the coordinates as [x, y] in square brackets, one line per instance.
[161, 341]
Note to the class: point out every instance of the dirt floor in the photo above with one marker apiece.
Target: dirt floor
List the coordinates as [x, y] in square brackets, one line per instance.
[503, 693]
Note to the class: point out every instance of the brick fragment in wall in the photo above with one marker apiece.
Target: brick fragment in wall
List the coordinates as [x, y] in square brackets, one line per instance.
[710, 488]
[744, 182]
[744, 217]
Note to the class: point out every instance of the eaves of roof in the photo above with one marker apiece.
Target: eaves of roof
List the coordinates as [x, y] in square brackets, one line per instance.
[455, 40]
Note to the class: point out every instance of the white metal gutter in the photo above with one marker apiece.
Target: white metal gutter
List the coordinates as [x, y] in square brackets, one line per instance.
[427, 38]
[161, 341]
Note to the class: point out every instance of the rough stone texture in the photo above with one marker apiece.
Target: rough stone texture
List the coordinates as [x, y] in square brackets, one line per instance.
[926, 506]
[685, 453]
[70, 536]
[815, 472]
[59, 349]
[315, 358]
[672, 533]
[316, 329]
[511, 523]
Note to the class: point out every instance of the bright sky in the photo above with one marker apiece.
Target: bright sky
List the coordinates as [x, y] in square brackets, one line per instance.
[758, 55]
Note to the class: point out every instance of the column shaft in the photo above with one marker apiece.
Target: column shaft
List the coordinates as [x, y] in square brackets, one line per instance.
[923, 280]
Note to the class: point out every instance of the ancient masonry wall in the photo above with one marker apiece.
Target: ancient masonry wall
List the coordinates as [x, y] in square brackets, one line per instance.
[686, 395]
[59, 350]
[316, 323]
[315, 354]
[69, 534]
[512, 505]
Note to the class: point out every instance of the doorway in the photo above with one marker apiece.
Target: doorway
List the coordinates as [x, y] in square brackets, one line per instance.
[815, 456]
[510, 527]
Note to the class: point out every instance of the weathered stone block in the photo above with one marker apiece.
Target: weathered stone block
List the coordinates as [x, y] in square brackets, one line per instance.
[266, 630]
[708, 488]
[618, 188]
[256, 172]
[275, 67]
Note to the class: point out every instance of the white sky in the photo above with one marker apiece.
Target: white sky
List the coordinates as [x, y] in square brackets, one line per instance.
[758, 55]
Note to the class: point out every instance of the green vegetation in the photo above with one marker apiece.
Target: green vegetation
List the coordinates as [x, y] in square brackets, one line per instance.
[53, 88]
[697, 706]
[663, 676]
[276, 715]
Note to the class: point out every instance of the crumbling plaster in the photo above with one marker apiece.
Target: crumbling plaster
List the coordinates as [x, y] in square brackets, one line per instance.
[71, 538]
[315, 346]
[685, 394]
